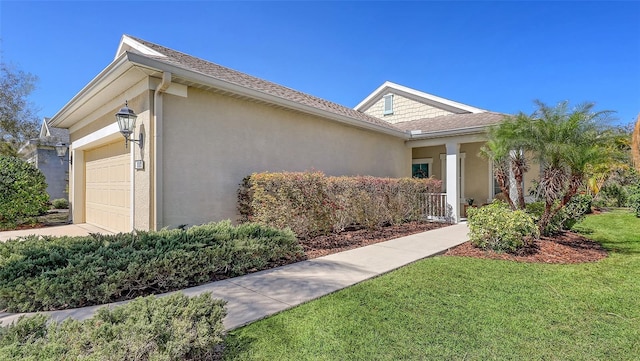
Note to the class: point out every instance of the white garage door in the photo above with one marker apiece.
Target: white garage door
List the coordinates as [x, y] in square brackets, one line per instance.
[108, 187]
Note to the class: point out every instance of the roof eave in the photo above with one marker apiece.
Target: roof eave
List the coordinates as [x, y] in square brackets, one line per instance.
[115, 68]
[205, 79]
[480, 129]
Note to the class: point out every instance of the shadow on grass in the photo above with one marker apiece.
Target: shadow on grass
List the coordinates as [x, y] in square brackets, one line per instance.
[236, 346]
[622, 246]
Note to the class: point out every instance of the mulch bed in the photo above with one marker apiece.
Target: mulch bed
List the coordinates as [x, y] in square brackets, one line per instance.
[333, 243]
[563, 248]
[566, 247]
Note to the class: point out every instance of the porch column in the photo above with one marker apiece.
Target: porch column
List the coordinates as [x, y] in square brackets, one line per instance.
[453, 193]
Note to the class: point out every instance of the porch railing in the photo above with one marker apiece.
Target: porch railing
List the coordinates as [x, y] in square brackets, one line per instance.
[434, 206]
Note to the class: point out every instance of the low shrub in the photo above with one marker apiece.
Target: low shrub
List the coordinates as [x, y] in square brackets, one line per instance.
[23, 192]
[634, 200]
[173, 327]
[49, 273]
[60, 203]
[311, 203]
[567, 217]
[497, 227]
[614, 195]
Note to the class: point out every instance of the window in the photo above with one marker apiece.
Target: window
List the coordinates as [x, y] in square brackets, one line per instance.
[388, 104]
[420, 168]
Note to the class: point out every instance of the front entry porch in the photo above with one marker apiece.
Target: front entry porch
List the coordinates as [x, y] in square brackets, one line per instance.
[465, 175]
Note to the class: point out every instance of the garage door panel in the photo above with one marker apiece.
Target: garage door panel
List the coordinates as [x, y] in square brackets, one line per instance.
[108, 191]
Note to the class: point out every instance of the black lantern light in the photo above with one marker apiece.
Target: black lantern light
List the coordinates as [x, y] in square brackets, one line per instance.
[126, 119]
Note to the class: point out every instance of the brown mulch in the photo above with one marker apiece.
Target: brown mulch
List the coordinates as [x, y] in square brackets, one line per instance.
[566, 247]
[333, 243]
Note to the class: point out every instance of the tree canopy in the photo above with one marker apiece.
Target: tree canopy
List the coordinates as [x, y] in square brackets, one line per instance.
[18, 119]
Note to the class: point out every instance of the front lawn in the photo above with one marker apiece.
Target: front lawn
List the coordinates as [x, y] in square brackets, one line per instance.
[472, 309]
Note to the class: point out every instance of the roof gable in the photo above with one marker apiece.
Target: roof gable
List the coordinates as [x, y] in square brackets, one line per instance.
[416, 95]
[129, 43]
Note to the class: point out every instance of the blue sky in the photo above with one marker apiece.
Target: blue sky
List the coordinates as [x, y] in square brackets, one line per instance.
[498, 56]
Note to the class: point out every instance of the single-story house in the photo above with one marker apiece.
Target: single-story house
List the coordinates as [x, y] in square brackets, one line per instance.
[204, 127]
[42, 153]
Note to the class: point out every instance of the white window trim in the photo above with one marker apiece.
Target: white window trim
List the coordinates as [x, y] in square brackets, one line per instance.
[428, 161]
[384, 104]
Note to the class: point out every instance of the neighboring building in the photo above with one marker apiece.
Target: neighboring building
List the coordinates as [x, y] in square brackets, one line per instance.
[205, 127]
[41, 152]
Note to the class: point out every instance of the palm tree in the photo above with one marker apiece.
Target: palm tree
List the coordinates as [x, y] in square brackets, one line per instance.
[565, 142]
[504, 150]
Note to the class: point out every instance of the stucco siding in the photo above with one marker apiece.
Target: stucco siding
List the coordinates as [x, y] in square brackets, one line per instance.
[404, 109]
[476, 183]
[212, 141]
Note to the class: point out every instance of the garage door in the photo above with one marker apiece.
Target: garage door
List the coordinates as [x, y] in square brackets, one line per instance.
[108, 187]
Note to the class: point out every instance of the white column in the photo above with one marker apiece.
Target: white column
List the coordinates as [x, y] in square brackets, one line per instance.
[453, 192]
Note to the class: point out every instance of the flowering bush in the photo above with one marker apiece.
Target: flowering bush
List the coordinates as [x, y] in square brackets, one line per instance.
[310, 203]
[498, 228]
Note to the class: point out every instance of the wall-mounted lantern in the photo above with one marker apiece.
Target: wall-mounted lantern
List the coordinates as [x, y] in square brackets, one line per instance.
[61, 151]
[126, 119]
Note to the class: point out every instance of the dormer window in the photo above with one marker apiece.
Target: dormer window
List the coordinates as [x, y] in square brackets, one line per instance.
[388, 104]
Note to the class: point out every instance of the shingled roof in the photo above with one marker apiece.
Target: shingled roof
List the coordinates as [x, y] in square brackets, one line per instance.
[452, 122]
[208, 68]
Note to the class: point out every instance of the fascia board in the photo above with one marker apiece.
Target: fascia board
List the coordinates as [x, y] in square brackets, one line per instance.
[204, 79]
[477, 130]
[443, 139]
[112, 71]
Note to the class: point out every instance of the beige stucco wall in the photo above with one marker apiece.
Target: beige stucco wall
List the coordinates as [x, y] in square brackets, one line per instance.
[212, 141]
[477, 177]
[532, 175]
[404, 109]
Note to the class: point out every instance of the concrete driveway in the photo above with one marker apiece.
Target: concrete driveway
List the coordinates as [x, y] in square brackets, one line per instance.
[80, 229]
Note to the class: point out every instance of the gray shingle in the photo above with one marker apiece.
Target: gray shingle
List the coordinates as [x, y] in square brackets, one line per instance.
[452, 122]
[189, 62]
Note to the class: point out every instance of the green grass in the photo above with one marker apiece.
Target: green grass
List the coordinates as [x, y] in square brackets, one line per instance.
[458, 308]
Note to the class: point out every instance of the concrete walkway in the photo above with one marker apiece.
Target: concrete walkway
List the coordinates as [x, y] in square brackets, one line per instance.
[80, 229]
[261, 294]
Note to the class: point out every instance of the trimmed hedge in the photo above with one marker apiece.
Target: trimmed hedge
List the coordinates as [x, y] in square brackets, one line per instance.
[310, 203]
[23, 192]
[497, 227]
[66, 272]
[174, 327]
